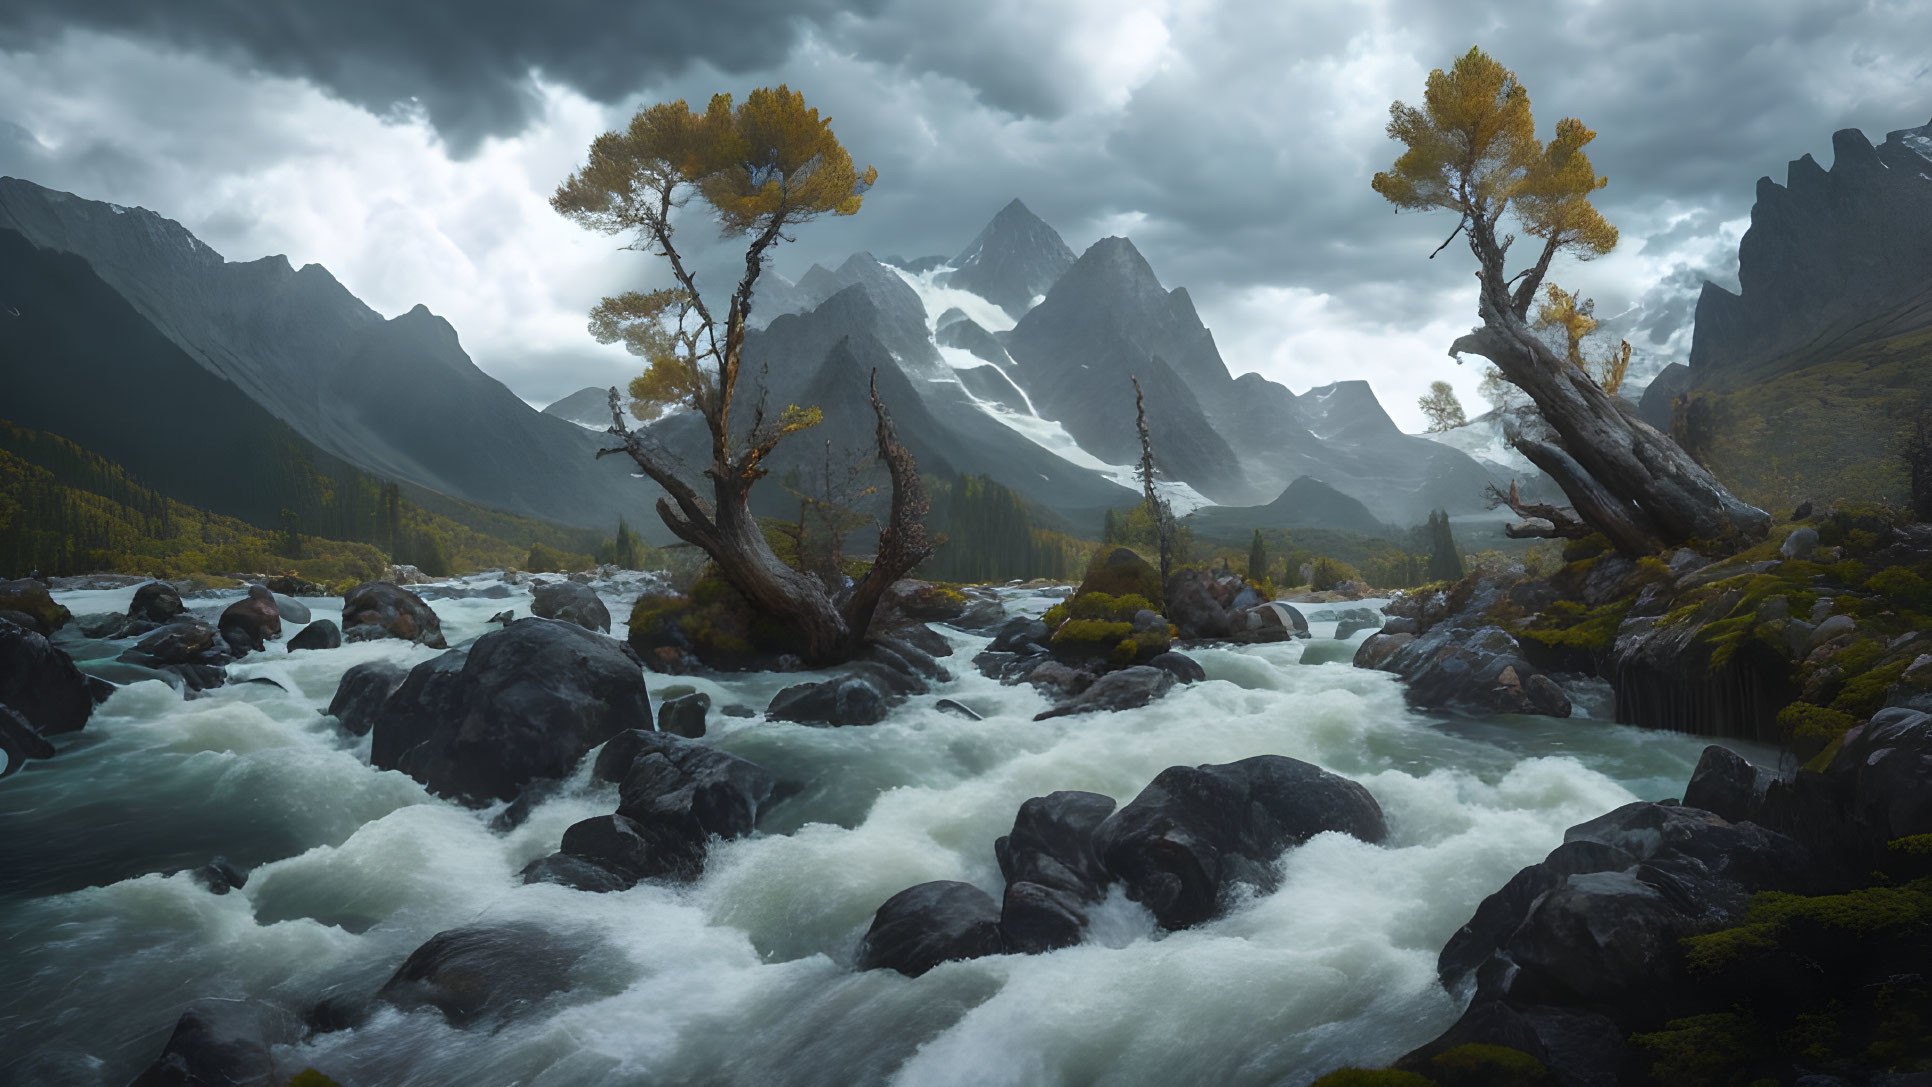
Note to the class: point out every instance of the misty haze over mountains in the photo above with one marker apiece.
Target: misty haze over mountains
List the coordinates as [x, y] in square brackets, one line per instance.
[1011, 359]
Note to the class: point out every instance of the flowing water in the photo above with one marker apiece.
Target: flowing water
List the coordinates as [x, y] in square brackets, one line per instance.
[745, 977]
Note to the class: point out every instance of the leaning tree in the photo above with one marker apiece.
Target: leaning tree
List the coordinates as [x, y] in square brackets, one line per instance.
[762, 168]
[1473, 150]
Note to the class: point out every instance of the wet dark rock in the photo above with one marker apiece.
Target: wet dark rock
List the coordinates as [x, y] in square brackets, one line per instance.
[321, 634]
[156, 602]
[923, 926]
[361, 692]
[522, 704]
[1181, 666]
[220, 876]
[1058, 679]
[684, 715]
[1197, 831]
[684, 787]
[632, 851]
[844, 700]
[39, 682]
[226, 1043]
[947, 705]
[1474, 668]
[1274, 621]
[1035, 918]
[909, 649]
[1882, 772]
[738, 709]
[1197, 605]
[109, 625]
[382, 609]
[1726, 783]
[571, 602]
[1052, 843]
[486, 975]
[888, 671]
[251, 621]
[1019, 632]
[30, 598]
[575, 872]
[287, 585]
[1129, 688]
[20, 742]
[981, 614]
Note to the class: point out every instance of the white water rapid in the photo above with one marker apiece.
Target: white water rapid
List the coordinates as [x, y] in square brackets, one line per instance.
[745, 977]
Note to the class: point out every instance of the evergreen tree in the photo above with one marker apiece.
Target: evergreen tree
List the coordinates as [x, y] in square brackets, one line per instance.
[1445, 562]
[1257, 557]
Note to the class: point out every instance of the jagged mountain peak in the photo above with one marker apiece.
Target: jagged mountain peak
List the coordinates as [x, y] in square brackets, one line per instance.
[1015, 259]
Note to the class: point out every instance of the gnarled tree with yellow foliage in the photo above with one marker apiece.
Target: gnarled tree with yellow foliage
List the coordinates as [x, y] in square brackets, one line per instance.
[1472, 149]
[762, 167]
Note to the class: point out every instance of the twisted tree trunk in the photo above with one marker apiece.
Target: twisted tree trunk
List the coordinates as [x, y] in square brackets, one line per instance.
[831, 624]
[1623, 477]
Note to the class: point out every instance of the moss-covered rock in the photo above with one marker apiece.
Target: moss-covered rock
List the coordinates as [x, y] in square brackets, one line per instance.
[1376, 1077]
[712, 627]
[1121, 572]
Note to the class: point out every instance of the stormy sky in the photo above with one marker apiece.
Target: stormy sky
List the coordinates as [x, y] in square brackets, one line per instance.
[412, 148]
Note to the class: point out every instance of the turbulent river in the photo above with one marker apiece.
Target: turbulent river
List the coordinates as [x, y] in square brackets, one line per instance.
[746, 977]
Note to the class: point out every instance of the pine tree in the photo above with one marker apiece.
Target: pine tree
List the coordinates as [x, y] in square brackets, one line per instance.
[1257, 558]
[1445, 562]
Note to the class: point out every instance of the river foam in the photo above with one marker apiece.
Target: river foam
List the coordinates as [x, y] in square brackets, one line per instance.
[745, 977]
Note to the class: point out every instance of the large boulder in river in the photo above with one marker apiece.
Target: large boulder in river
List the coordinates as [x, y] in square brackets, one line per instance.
[189, 648]
[31, 599]
[1053, 874]
[225, 1042]
[1197, 831]
[251, 621]
[20, 742]
[571, 602]
[693, 789]
[156, 602]
[487, 975]
[362, 691]
[522, 704]
[923, 926]
[40, 683]
[381, 609]
[1478, 670]
[1197, 606]
[841, 700]
[1121, 572]
[1129, 688]
[321, 634]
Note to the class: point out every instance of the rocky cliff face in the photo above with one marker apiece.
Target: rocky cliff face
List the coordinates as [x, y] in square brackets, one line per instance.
[1014, 260]
[337, 372]
[1833, 258]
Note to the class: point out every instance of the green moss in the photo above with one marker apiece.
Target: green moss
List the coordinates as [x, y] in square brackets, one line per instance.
[1567, 624]
[1589, 547]
[1810, 729]
[309, 1077]
[1864, 915]
[1917, 845]
[1903, 587]
[1379, 1077]
[1700, 1050]
[1488, 1066]
[1864, 695]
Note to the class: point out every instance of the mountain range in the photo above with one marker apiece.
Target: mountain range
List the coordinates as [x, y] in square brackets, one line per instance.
[1012, 359]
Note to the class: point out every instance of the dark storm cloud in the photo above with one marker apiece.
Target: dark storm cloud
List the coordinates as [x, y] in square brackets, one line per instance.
[468, 64]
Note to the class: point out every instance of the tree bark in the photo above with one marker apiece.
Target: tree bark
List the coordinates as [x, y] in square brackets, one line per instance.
[1623, 478]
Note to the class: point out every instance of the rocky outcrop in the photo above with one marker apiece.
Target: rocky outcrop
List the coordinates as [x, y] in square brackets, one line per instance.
[1461, 659]
[1180, 848]
[251, 621]
[321, 634]
[1204, 607]
[843, 700]
[486, 975]
[227, 1042]
[675, 795]
[571, 602]
[1129, 688]
[923, 926]
[684, 715]
[32, 606]
[1014, 260]
[382, 609]
[523, 703]
[360, 693]
[39, 683]
[156, 602]
[189, 648]
[1193, 834]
